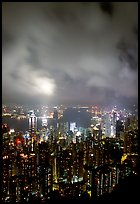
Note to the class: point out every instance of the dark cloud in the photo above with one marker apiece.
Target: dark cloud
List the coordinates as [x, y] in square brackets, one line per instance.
[129, 54]
[107, 7]
[7, 39]
[70, 52]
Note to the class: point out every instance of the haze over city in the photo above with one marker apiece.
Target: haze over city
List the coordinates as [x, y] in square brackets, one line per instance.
[70, 53]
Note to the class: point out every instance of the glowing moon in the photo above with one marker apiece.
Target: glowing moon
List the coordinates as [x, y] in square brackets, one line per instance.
[45, 86]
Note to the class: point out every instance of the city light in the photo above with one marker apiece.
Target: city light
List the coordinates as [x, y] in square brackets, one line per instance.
[70, 102]
[45, 85]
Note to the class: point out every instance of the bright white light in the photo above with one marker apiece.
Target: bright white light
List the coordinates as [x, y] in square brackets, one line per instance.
[111, 130]
[12, 130]
[45, 85]
[72, 126]
[78, 133]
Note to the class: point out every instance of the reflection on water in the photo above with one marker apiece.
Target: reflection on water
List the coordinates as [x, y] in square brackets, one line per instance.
[82, 119]
[19, 125]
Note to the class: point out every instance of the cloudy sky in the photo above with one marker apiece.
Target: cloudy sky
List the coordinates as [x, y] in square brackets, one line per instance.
[70, 53]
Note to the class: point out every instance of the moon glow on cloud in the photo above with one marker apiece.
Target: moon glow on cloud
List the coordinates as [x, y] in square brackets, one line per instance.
[70, 52]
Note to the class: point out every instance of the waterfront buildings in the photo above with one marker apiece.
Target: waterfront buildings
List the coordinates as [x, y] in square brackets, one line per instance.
[85, 160]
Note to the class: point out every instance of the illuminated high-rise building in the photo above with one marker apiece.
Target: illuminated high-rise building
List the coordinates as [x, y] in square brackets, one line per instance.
[55, 119]
[108, 129]
[114, 119]
[47, 180]
[66, 127]
[72, 126]
[44, 121]
[32, 123]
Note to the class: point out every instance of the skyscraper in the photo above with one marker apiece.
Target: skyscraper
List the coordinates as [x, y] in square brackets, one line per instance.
[32, 123]
[107, 125]
[55, 119]
[44, 121]
[114, 119]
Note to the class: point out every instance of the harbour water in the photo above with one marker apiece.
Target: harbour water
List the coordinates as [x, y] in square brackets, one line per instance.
[19, 125]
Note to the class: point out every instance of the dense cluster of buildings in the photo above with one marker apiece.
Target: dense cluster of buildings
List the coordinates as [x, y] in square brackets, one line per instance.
[66, 158]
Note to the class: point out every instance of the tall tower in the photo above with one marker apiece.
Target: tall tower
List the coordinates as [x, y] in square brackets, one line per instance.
[32, 123]
[114, 119]
[108, 125]
[55, 119]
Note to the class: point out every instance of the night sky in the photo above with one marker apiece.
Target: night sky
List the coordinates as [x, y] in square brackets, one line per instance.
[70, 53]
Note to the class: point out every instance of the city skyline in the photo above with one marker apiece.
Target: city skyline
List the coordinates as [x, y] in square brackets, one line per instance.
[70, 53]
[59, 157]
